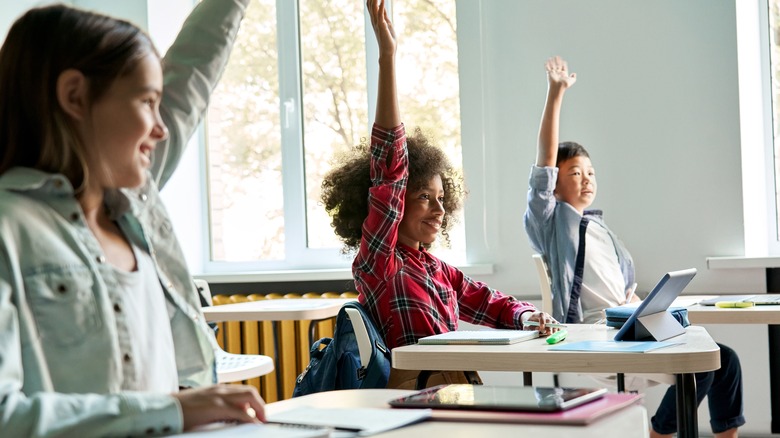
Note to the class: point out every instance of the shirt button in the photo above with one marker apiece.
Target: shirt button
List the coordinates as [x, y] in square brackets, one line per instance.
[126, 357]
[74, 216]
[143, 197]
[101, 259]
[117, 308]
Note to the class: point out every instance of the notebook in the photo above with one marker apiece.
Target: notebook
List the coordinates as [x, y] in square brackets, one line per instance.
[499, 398]
[578, 416]
[758, 300]
[479, 337]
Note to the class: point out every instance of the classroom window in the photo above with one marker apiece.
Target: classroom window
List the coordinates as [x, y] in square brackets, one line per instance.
[298, 88]
[774, 52]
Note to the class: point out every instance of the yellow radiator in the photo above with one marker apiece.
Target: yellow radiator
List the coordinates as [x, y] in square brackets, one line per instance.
[257, 338]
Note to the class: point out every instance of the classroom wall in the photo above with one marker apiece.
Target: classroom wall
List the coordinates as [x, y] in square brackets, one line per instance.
[656, 104]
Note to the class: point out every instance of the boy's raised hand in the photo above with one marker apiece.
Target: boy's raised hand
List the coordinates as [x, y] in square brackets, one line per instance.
[558, 73]
[383, 27]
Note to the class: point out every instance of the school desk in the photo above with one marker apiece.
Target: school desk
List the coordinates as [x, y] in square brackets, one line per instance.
[696, 353]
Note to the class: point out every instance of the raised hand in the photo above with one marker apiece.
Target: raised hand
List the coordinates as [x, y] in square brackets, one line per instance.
[383, 27]
[558, 73]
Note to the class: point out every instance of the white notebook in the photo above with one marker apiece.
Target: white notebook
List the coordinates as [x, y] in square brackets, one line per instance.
[479, 337]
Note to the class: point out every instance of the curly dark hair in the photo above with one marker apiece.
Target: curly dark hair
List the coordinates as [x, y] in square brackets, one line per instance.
[345, 187]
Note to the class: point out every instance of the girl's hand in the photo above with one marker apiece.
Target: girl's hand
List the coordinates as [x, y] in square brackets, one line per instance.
[558, 73]
[543, 319]
[383, 27]
[239, 403]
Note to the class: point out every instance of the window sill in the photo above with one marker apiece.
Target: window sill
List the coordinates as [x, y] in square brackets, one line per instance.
[743, 262]
[310, 275]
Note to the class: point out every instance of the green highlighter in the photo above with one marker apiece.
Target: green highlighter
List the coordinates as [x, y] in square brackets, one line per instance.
[557, 337]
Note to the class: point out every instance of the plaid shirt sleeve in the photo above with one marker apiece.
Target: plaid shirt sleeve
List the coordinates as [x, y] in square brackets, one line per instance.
[480, 304]
[389, 174]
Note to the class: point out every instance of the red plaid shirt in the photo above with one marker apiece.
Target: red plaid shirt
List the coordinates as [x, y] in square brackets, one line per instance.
[410, 293]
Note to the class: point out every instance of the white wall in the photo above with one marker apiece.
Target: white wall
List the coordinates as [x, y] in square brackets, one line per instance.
[656, 104]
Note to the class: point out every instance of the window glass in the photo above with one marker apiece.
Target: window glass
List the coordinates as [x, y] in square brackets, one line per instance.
[246, 213]
[249, 128]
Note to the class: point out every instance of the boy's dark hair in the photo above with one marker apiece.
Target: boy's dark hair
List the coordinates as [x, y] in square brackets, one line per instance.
[570, 149]
[345, 187]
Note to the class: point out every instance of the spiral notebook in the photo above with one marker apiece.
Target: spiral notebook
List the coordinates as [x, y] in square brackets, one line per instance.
[479, 337]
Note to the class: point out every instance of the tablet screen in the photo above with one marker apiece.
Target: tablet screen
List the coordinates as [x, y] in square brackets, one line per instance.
[499, 398]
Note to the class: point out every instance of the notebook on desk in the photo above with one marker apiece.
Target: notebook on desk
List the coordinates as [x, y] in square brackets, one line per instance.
[758, 300]
[479, 337]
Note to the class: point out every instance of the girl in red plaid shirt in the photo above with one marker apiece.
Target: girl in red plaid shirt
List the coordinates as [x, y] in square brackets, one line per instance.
[389, 203]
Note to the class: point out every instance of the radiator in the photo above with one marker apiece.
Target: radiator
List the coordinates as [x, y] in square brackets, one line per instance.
[257, 338]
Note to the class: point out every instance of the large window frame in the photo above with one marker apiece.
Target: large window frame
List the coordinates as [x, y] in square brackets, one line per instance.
[756, 129]
[190, 215]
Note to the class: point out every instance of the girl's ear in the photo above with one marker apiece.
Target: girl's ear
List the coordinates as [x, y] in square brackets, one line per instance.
[72, 93]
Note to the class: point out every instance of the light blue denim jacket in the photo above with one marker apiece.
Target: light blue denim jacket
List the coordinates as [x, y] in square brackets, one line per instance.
[60, 359]
[553, 228]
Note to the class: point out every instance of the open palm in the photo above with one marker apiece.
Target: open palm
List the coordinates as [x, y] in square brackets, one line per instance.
[383, 27]
[558, 72]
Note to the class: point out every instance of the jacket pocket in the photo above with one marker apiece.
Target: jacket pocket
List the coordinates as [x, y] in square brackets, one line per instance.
[63, 304]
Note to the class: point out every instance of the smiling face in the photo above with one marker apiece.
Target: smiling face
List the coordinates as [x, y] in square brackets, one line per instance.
[576, 182]
[423, 214]
[125, 126]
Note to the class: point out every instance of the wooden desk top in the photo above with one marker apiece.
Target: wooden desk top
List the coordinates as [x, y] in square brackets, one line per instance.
[627, 423]
[698, 353]
[715, 315]
[283, 309]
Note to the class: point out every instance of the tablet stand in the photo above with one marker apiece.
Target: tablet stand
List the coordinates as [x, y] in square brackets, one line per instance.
[658, 326]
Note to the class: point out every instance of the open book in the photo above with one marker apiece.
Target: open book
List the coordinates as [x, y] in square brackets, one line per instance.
[479, 337]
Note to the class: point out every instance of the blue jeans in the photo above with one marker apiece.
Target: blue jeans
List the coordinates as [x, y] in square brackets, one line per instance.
[724, 388]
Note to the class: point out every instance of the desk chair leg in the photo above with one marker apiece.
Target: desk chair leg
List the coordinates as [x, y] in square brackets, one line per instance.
[422, 379]
[556, 381]
[312, 327]
[621, 382]
[472, 377]
[277, 368]
[528, 378]
[687, 421]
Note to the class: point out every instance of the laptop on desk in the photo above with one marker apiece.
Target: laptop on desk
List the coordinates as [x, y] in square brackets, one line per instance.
[758, 300]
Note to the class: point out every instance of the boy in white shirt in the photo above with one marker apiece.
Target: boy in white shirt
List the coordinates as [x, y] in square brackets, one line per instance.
[584, 283]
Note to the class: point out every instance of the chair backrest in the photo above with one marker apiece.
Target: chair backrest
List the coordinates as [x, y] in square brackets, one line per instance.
[203, 290]
[545, 282]
[361, 335]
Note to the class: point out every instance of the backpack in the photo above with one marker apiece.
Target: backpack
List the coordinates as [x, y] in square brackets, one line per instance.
[337, 365]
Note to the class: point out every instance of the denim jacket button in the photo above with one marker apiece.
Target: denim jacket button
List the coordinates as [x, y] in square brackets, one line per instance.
[143, 197]
[101, 259]
[74, 216]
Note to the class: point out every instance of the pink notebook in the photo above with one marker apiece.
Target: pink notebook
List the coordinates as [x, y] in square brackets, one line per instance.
[580, 415]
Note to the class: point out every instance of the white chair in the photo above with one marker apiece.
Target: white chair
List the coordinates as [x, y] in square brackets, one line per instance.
[235, 367]
[545, 283]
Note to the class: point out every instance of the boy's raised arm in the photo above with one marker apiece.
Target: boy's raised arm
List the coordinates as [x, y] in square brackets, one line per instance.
[558, 81]
[388, 115]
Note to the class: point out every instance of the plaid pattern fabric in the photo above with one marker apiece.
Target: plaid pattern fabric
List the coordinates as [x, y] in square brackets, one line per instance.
[410, 293]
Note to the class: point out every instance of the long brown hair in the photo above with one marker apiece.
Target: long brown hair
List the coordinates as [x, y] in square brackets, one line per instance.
[34, 130]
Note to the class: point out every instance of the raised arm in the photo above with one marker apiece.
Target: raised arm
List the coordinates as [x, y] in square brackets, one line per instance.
[558, 81]
[388, 114]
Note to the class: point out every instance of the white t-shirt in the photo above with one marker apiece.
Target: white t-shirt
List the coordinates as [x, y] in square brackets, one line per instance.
[603, 284]
[144, 329]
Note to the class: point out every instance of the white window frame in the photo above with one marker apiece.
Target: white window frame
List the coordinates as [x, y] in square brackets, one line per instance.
[756, 131]
[190, 217]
